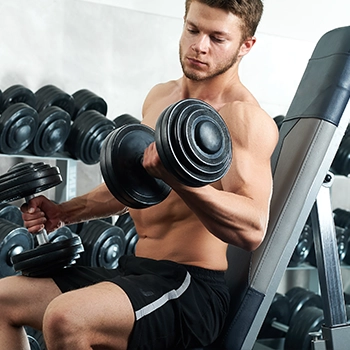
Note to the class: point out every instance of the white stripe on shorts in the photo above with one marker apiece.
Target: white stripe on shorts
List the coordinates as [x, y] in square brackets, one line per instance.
[173, 294]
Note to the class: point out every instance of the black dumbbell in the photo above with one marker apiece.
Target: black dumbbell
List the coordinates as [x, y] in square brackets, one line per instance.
[342, 224]
[23, 181]
[51, 95]
[88, 131]
[86, 100]
[18, 126]
[303, 247]
[125, 119]
[18, 94]
[11, 213]
[126, 223]
[14, 239]
[61, 234]
[286, 309]
[104, 244]
[53, 129]
[192, 141]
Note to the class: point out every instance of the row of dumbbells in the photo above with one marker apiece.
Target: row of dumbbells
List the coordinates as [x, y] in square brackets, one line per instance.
[51, 120]
[305, 251]
[293, 317]
[104, 242]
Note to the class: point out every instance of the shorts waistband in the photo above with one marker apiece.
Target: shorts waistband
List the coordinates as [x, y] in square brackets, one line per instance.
[204, 273]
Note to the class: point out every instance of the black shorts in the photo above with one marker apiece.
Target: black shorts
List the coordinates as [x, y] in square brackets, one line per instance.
[176, 306]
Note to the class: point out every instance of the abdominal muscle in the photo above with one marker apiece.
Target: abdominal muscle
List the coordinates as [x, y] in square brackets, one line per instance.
[170, 231]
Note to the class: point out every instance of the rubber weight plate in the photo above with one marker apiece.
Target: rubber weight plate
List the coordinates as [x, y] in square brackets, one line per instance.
[122, 170]
[125, 119]
[193, 142]
[48, 258]
[50, 95]
[26, 179]
[11, 213]
[104, 244]
[53, 131]
[126, 223]
[1, 100]
[85, 100]
[18, 125]
[300, 298]
[61, 234]
[18, 93]
[309, 319]
[14, 240]
[87, 135]
[303, 247]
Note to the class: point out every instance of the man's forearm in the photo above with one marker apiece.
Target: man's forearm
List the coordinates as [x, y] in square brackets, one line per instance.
[97, 203]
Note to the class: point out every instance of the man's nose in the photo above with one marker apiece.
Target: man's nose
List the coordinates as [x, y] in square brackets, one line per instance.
[201, 44]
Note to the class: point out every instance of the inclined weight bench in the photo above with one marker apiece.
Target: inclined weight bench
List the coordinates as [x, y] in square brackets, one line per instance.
[309, 138]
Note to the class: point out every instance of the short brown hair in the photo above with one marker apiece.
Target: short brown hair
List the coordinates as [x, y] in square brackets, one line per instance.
[249, 11]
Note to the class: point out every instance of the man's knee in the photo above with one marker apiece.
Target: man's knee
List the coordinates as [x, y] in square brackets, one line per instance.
[58, 319]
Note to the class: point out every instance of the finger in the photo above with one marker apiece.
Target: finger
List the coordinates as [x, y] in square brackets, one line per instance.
[35, 225]
[32, 215]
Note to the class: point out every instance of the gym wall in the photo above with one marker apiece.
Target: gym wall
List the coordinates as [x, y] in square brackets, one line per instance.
[119, 49]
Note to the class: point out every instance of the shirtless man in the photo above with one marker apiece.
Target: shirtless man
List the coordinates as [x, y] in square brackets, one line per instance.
[182, 301]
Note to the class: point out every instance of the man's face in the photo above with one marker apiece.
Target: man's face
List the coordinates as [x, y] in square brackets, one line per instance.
[210, 42]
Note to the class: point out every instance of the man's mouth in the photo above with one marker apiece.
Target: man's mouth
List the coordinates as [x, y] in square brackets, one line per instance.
[196, 62]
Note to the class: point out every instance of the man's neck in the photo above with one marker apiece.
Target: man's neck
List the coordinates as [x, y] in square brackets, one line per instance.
[214, 91]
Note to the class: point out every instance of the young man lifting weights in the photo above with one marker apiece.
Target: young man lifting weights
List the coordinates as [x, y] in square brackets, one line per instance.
[172, 294]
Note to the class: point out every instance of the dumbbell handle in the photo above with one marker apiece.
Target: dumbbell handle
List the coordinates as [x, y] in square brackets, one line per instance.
[280, 326]
[41, 235]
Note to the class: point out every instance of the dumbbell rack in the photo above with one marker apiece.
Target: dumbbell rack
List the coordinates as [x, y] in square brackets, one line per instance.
[68, 168]
[335, 331]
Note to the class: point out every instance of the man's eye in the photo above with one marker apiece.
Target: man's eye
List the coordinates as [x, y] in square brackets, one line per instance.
[217, 40]
[192, 31]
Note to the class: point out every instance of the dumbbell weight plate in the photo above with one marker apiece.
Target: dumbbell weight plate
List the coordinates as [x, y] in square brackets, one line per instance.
[126, 223]
[50, 95]
[13, 240]
[60, 234]
[303, 247]
[87, 134]
[18, 93]
[1, 100]
[92, 143]
[193, 142]
[279, 311]
[85, 100]
[309, 319]
[123, 219]
[104, 244]
[300, 298]
[18, 125]
[131, 244]
[47, 258]
[26, 179]
[125, 119]
[53, 131]
[122, 170]
[11, 213]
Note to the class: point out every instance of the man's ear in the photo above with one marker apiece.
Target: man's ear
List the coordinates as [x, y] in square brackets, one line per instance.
[246, 46]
